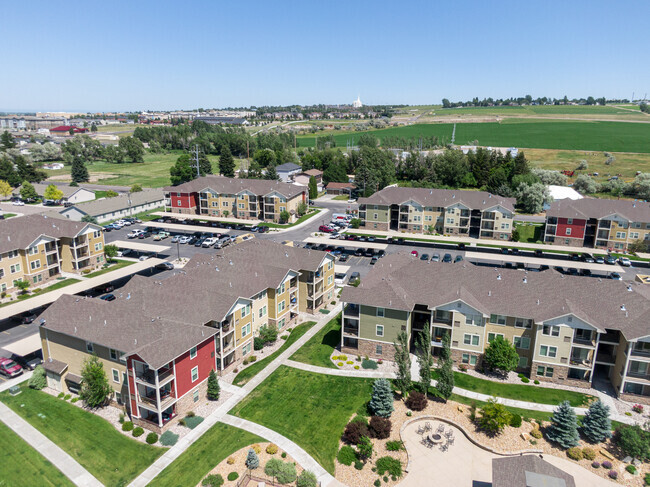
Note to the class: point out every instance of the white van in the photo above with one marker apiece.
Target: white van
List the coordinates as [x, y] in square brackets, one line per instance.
[341, 217]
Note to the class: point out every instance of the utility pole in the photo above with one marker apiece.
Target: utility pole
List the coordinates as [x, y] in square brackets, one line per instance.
[196, 160]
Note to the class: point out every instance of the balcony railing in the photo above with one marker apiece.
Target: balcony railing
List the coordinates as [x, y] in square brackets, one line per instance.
[607, 358]
[639, 375]
[584, 341]
[351, 330]
[609, 337]
[581, 362]
[351, 311]
[149, 376]
[640, 353]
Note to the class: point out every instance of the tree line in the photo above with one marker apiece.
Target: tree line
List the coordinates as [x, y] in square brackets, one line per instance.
[527, 100]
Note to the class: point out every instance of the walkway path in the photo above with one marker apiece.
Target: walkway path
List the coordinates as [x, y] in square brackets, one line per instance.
[37, 440]
[221, 413]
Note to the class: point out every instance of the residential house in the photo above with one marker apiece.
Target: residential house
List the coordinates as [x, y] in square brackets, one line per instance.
[288, 171]
[107, 209]
[71, 194]
[303, 178]
[566, 329]
[248, 199]
[339, 188]
[597, 223]
[475, 214]
[38, 249]
[159, 340]
[65, 130]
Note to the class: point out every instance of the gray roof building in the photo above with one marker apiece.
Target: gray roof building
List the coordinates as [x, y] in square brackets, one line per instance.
[528, 471]
[586, 208]
[120, 206]
[224, 185]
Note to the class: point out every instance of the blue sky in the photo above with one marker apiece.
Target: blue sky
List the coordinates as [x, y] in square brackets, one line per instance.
[136, 55]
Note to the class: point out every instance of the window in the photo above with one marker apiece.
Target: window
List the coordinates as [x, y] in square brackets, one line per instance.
[245, 311]
[549, 371]
[551, 330]
[35, 264]
[568, 231]
[376, 216]
[262, 311]
[521, 342]
[523, 323]
[381, 312]
[118, 398]
[469, 359]
[540, 370]
[241, 206]
[281, 323]
[492, 336]
[195, 374]
[96, 234]
[98, 247]
[38, 278]
[546, 351]
[281, 289]
[379, 331]
[116, 375]
[178, 203]
[195, 395]
[3, 287]
[378, 349]
[620, 235]
[14, 268]
[330, 279]
[192, 352]
[33, 250]
[225, 203]
[632, 388]
[442, 315]
[569, 221]
[246, 349]
[523, 362]
[469, 339]
[89, 347]
[114, 354]
[498, 319]
[245, 330]
[476, 320]
[281, 307]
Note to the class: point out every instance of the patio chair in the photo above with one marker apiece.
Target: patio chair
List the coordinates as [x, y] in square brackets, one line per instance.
[441, 428]
[420, 430]
[430, 443]
[450, 441]
[444, 447]
[449, 433]
[425, 441]
[427, 426]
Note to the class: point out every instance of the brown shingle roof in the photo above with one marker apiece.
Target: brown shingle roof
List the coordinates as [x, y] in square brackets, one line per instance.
[479, 200]
[400, 281]
[313, 172]
[20, 232]
[635, 211]
[528, 471]
[55, 366]
[118, 203]
[221, 184]
[334, 185]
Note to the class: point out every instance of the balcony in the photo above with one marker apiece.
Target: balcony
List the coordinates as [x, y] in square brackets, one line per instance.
[640, 352]
[50, 248]
[487, 225]
[77, 242]
[148, 376]
[584, 340]
[604, 224]
[605, 358]
[639, 376]
[167, 398]
[350, 329]
[610, 337]
[351, 311]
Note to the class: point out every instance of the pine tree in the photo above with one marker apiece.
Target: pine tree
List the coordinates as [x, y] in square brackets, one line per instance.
[27, 192]
[564, 427]
[381, 403]
[423, 344]
[205, 166]
[79, 171]
[252, 460]
[271, 173]
[403, 363]
[226, 162]
[596, 425]
[445, 384]
[213, 386]
[313, 188]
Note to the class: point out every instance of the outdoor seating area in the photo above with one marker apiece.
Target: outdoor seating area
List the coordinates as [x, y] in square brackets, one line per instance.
[442, 437]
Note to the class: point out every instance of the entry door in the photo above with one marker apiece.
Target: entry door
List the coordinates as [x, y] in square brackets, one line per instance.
[53, 381]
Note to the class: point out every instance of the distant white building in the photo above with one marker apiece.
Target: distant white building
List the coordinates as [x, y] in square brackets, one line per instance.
[562, 193]
[357, 103]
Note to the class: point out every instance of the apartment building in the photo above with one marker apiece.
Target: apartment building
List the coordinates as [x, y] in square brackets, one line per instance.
[247, 199]
[566, 329]
[597, 223]
[159, 340]
[475, 214]
[38, 248]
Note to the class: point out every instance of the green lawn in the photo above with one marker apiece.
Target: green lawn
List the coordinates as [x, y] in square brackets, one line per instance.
[117, 265]
[298, 221]
[102, 450]
[520, 392]
[528, 232]
[318, 349]
[57, 285]
[8, 215]
[22, 465]
[203, 455]
[251, 371]
[341, 197]
[310, 409]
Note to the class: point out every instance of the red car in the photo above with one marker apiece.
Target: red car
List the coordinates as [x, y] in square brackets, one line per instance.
[325, 229]
[414, 253]
[10, 368]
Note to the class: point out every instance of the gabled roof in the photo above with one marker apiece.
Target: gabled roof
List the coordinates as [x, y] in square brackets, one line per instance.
[333, 185]
[67, 190]
[528, 471]
[400, 281]
[634, 211]
[313, 172]
[221, 184]
[20, 232]
[477, 200]
[288, 167]
[121, 202]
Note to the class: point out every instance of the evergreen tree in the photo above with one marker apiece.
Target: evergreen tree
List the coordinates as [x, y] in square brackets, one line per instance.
[445, 384]
[252, 460]
[205, 166]
[596, 425]
[271, 173]
[226, 162]
[93, 128]
[423, 353]
[181, 171]
[79, 171]
[403, 364]
[95, 388]
[381, 402]
[564, 426]
[7, 140]
[313, 188]
[27, 192]
[213, 386]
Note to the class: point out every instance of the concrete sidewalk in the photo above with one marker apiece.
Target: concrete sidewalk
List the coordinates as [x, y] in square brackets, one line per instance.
[37, 440]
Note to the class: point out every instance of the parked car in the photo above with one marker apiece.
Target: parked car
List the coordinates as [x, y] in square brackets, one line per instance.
[145, 257]
[354, 276]
[254, 228]
[359, 252]
[572, 271]
[104, 288]
[447, 258]
[616, 276]
[161, 236]
[538, 253]
[10, 368]
[199, 242]
[108, 228]
[381, 253]
[165, 266]
[369, 253]
[263, 229]
[374, 260]
[435, 258]
[25, 318]
[135, 234]
[625, 262]
[184, 239]
[610, 259]
[18, 203]
[192, 240]
[424, 257]
[335, 235]
[587, 258]
[108, 297]
[414, 253]
[585, 272]
[343, 258]
[144, 235]
[326, 229]
[339, 278]
[175, 238]
[600, 259]
[29, 361]
[209, 242]
[458, 258]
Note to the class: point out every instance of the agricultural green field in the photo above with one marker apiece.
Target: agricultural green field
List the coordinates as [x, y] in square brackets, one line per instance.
[522, 133]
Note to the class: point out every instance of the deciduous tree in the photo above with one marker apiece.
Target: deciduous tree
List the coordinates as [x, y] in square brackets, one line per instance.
[403, 364]
[181, 171]
[501, 356]
[53, 193]
[95, 389]
[5, 188]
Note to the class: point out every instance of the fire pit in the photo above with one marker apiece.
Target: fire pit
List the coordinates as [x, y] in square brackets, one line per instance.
[435, 438]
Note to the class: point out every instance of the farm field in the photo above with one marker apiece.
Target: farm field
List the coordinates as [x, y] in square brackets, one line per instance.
[538, 134]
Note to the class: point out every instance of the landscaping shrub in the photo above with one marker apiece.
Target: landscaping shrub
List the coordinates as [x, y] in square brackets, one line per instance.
[181, 421]
[613, 474]
[385, 479]
[637, 408]
[381, 402]
[213, 481]
[536, 382]
[361, 419]
[340, 364]
[631, 469]
[394, 446]
[256, 448]
[647, 479]
[416, 401]
[168, 438]
[74, 399]
[60, 395]
[152, 438]
[190, 414]
[232, 476]
[633, 441]
[595, 464]
[284, 454]
[67, 397]
[389, 464]
[364, 448]
[284, 337]
[349, 362]
[347, 455]
[343, 357]
[356, 367]
[574, 453]
[252, 358]
[287, 473]
[38, 380]
[520, 375]
[306, 479]
[359, 465]
[380, 427]
[596, 425]
[515, 420]
[230, 461]
[252, 460]
[138, 431]
[193, 422]
[380, 361]
[268, 334]
[271, 449]
[127, 426]
[354, 430]
[369, 364]
[121, 418]
[258, 343]
[462, 368]
[564, 427]
[607, 464]
[588, 454]
[536, 434]
[494, 417]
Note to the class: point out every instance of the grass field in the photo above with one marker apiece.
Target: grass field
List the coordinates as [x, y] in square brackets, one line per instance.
[53, 287]
[117, 264]
[520, 392]
[249, 372]
[529, 232]
[310, 409]
[92, 441]
[204, 454]
[22, 465]
[318, 349]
